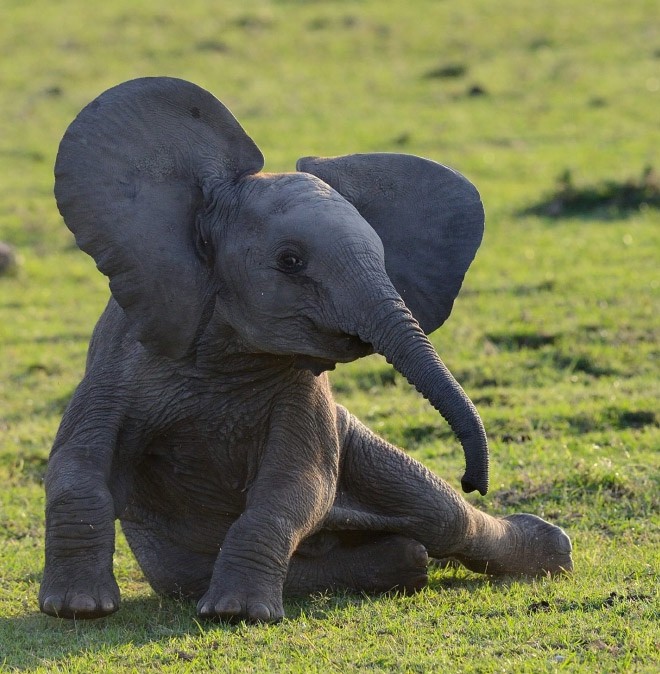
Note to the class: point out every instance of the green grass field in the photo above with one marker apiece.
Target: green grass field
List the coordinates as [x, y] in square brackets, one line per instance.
[551, 109]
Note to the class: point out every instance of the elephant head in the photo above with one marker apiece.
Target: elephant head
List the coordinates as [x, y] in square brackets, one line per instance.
[162, 187]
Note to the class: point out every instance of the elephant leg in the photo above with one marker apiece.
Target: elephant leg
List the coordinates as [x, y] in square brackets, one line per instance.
[286, 502]
[78, 581]
[358, 561]
[382, 488]
[354, 561]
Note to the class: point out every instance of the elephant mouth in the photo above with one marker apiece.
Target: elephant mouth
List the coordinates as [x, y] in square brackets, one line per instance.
[355, 347]
[315, 365]
[346, 348]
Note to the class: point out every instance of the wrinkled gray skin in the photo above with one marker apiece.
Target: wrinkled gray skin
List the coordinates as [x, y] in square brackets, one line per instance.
[205, 421]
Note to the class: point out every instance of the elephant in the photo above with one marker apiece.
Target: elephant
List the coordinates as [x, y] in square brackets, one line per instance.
[205, 421]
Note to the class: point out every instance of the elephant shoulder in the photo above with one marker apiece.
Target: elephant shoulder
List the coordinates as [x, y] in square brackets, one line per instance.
[113, 350]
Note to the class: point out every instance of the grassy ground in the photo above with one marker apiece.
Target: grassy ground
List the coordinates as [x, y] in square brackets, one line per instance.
[555, 335]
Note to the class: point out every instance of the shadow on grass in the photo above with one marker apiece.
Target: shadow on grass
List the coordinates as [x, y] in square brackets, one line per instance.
[36, 640]
[609, 199]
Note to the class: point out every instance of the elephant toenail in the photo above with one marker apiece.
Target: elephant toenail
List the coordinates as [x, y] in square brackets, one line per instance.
[82, 603]
[108, 605]
[419, 556]
[205, 611]
[52, 605]
[260, 612]
[229, 607]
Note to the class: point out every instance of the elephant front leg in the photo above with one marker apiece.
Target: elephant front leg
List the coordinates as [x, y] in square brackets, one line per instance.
[80, 535]
[248, 576]
[249, 573]
[288, 500]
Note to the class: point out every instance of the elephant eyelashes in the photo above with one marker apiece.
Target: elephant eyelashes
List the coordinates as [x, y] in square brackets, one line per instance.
[290, 263]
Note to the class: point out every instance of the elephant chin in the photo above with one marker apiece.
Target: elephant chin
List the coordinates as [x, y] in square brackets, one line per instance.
[315, 365]
[345, 350]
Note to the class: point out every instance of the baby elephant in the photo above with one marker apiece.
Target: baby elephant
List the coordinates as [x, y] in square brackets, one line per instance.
[205, 421]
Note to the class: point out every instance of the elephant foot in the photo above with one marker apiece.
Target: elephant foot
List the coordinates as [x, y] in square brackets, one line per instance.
[529, 546]
[79, 598]
[391, 564]
[358, 562]
[546, 548]
[236, 606]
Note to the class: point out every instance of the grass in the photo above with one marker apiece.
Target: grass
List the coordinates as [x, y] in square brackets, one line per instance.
[555, 335]
[610, 198]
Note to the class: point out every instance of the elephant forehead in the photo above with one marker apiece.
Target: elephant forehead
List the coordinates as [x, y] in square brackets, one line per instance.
[289, 192]
[327, 222]
[299, 205]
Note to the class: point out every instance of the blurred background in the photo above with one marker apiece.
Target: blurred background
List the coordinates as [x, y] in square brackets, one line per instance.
[511, 93]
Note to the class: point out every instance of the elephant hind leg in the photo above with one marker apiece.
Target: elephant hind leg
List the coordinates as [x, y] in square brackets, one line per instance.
[171, 568]
[357, 561]
[383, 488]
[349, 560]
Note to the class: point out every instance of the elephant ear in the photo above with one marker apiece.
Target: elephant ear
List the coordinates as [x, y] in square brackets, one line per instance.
[429, 218]
[132, 172]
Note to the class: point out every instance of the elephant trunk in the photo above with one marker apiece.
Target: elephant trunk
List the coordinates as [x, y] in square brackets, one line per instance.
[394, 333]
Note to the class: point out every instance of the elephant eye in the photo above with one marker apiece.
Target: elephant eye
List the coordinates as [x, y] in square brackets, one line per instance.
[289, 262]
